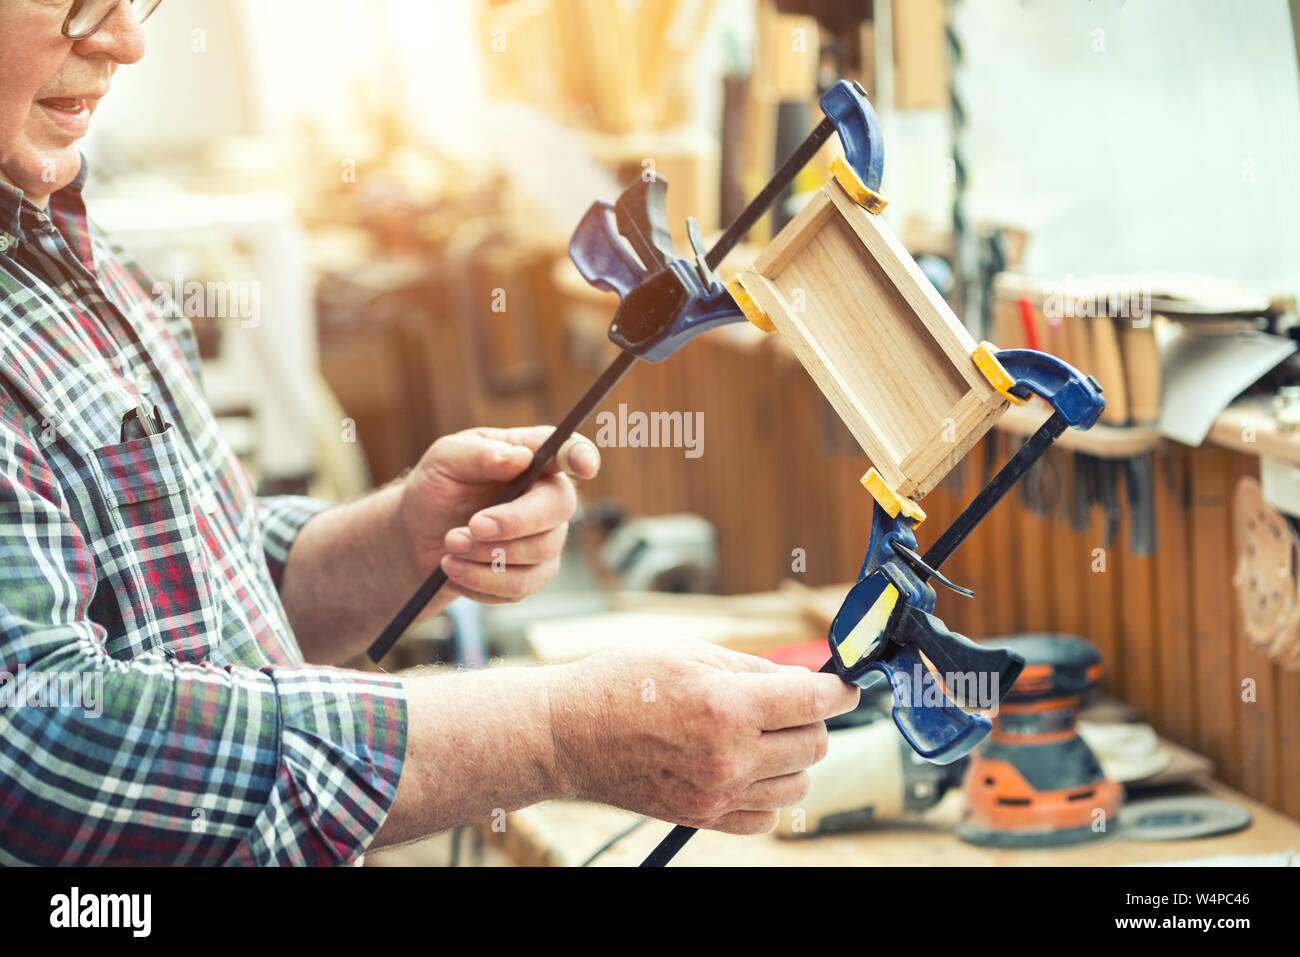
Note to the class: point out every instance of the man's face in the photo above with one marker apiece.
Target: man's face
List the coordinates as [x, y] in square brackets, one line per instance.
[50, 86]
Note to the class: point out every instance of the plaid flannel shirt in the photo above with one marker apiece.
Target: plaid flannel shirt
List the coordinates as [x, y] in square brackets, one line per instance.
[150, 567]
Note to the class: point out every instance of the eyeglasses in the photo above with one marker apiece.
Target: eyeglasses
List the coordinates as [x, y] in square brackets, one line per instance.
[87, 16]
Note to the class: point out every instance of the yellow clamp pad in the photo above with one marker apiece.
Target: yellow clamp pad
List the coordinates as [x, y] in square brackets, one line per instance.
[998, 377]
[868, 199]
[867, 632]
[752, 310]
[891, 501]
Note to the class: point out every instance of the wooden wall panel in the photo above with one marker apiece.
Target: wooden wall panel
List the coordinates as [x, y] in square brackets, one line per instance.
[1214, 675]
[1138, 621]
[1104, 565]
[1289, 741]
[1069, 610]
[994, 541]
[1175, 661]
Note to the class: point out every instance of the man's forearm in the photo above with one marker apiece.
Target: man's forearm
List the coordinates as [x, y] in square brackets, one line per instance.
[348, 574]
[683, 731]
[478, 743]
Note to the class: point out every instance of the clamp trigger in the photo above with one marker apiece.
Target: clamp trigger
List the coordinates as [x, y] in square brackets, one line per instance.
[642, 215]
[918, 563]
[707, 274]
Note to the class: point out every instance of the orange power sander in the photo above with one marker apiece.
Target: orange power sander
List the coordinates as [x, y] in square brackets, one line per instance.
[1034, 782]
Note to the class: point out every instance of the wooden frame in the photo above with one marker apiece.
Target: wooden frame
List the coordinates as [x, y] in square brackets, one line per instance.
[877, 338]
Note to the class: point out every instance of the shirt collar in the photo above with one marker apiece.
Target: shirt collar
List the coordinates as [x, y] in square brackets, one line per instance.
[13, 204]
[11, 214]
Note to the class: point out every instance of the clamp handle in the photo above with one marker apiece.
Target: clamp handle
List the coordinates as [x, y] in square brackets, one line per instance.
[929, 721]
[600, 255]
[642, 217]
[954, 654]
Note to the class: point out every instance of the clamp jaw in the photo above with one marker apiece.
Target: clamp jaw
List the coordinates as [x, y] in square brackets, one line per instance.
[667, 300]
[1075, 397]
[666, 303]
[885, 624]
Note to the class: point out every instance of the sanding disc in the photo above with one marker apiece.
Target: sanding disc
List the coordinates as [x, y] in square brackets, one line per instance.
[1267, 576]
[1180, 818]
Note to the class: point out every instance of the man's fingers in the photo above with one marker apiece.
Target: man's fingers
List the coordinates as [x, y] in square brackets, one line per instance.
[530, 437]
[523, 551]
[549, 502]
[508, 583]
[795, 697]
[791, 750]
[473, 459]
[479, 597]
[578, 457]
[738, 661]
[747, 822]
[773, 794]
[496, 456]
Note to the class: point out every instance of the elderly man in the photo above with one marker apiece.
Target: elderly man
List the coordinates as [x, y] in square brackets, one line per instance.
[134, 552]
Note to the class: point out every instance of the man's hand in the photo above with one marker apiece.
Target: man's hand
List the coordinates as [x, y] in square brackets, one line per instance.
[691, 733]
[684, 731]
[353, 566]
[496, 554]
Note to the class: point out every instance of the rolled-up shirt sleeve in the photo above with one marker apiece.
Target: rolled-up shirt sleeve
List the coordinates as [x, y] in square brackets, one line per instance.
[281, 518]
[161, 762]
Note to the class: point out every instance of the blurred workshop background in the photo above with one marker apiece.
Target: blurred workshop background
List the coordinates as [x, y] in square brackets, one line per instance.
[366, 208]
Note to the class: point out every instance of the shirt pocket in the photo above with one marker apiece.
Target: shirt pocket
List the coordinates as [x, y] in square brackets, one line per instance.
[156, 566]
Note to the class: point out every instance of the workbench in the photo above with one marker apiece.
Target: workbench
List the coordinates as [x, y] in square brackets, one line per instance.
[566, 833]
